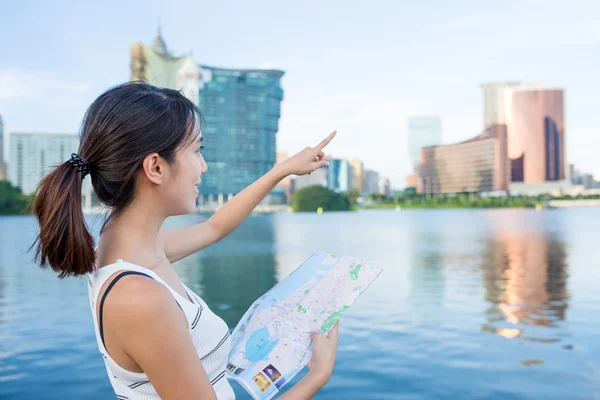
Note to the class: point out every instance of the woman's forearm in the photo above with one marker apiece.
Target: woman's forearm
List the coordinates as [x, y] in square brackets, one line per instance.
[236, 210]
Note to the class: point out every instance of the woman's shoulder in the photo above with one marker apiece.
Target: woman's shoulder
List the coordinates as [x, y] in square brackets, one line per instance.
[134, 298]
[134, 289]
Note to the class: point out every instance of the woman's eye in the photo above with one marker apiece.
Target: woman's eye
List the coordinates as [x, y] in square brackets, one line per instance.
[200, 149]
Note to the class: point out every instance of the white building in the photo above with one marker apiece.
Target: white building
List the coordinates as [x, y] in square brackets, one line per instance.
[494, 109]
[385, 187]
[2, 144]
[32, 156]
[554, 188]
[317, 177]
[370, 182]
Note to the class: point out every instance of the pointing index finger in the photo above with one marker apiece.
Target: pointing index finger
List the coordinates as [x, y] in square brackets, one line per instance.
[326, 141]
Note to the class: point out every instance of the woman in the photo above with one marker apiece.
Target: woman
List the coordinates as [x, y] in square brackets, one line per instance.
[141, 146]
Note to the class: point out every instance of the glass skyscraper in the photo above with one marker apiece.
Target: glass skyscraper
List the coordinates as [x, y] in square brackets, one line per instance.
[340, 176]
[241, 110]
[536, 140]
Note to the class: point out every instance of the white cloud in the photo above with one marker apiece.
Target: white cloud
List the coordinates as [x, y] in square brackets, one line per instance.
[15, 83]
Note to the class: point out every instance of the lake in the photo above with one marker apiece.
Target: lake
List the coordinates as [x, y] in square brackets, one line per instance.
[471, 304]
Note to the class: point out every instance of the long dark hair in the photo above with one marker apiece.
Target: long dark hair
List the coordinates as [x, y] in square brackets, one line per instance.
[119, 129]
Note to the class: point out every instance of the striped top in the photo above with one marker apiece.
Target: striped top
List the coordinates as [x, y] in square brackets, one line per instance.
[210, 335]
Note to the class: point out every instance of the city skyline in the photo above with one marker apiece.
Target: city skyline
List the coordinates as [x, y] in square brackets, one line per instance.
[334, 75]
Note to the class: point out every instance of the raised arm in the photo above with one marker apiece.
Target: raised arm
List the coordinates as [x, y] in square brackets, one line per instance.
[180, 243]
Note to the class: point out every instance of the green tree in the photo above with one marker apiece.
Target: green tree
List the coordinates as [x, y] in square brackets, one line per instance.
[12, 201]
[311, 198]
[353, 195]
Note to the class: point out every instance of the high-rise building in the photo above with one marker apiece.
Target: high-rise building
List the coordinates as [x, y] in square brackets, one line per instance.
[536, 142]
[340, 176]
[385, 187]
[370, 182]
[575, 176]
[414, 184]
[479, 164]
[2, 162]
[358, 169]
[156, 66]
[588, 181]
[33, 156]
[240, 108]
[494, 95]
[422, 131]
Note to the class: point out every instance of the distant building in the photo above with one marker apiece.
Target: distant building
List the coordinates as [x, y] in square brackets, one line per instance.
[385, 187]
[554, 188]
[536, 142]
[33, 156]
[588, 181]
[156, 66]
[2, 141]
[422, 131]
[479, 164]
[494, 95]
[240, 108]
[414, 182]
[575, 176]
[317, 177]
[358, 169]
[370, 182]
[340, 176]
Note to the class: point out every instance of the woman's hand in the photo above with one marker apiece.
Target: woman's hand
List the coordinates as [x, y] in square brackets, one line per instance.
[324, 350]
[309, 159]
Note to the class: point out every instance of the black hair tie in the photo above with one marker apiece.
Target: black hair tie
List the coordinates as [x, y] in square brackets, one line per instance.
[82, 166]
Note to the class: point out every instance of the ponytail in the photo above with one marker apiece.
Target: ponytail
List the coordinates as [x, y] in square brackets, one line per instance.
[64, 241]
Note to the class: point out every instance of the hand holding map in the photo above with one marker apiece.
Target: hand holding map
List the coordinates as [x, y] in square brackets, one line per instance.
[272, 342]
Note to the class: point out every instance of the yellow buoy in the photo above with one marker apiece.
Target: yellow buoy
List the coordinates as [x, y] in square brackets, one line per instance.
[320, 210]
[538, 207]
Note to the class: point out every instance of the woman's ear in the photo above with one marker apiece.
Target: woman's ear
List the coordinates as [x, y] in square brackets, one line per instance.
[154, 167]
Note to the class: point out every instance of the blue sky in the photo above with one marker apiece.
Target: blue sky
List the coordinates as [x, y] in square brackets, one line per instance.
[360, 67]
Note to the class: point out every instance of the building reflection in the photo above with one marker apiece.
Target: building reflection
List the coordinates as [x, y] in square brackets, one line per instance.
[427, 277]
[232, 274]
[525, 281]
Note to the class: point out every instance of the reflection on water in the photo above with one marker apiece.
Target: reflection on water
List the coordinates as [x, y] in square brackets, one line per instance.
[427, 276]
[231, 274]
[525, 280]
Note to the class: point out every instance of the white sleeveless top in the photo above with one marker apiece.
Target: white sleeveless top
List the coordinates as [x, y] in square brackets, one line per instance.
[210, 335]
